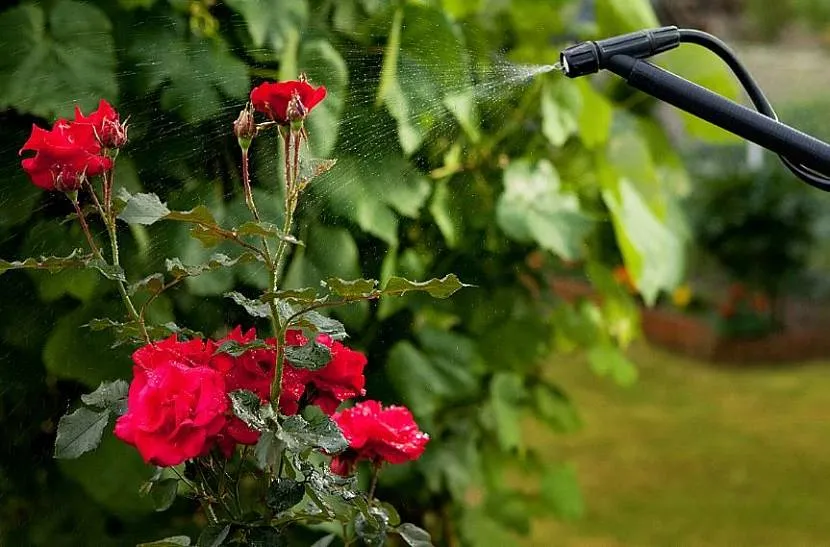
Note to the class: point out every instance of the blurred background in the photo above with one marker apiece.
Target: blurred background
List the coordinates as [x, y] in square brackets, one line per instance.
[644, 359]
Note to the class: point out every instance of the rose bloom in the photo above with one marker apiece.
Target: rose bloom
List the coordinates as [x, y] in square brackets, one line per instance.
[272, 98]
[378, 435]
[254, 371]
[62, 155]
[342, 378]
[174, 410]
[105, 123]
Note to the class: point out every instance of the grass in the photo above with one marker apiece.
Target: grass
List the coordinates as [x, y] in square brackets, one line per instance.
[696, 455]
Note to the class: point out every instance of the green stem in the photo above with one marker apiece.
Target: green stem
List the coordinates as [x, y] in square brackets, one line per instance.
[375, 473]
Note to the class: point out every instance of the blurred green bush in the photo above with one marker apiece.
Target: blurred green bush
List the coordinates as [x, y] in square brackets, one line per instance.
[451, 158]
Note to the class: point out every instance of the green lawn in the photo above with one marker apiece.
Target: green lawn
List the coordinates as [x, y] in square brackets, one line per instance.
[696, 454]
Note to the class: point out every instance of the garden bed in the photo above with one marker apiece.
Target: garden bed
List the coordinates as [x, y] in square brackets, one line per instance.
[804, 338]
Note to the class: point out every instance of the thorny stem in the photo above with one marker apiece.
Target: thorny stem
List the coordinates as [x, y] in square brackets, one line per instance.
[246, 183]
[375, 473]
[85, 227]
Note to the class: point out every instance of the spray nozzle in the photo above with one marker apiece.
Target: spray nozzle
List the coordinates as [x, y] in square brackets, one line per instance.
[590, 57]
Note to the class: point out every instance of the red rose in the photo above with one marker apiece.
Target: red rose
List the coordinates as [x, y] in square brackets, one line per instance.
[105, 124]
[377, 434]
[63, 155]
[254, 371]
[342, 378]
[174, 410]
[272, 98]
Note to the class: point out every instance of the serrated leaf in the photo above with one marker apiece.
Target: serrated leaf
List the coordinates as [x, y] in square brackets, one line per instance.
[283, 494]
[355, 288]
[320, 433]
[214, 535]
[144, 209]
[371, 527]
[52, 264]
[265, 229]
[163, 493]
[311, 356]
[110, 271]
[248, 408]
[437, 288]
[413, 535]
[80, 432]
[198, 215]
[302, 296]
[56, 59]
[267, 451]
[109, 395]
[237, 349]
[216, 261]
[320, 324]
[172, 541]
[153, 284]
[253, 307]
[392, 516]
[312, 168]
[534, 209]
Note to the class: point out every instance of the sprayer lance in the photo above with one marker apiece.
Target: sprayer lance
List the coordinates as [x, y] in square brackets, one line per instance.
[807, 157]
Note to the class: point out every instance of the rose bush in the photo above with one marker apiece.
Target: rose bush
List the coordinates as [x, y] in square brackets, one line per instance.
[200, 402]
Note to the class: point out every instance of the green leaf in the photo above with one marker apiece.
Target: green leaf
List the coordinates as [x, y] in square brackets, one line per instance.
[392, 516]
[163, 493]
[561, 493]
[371, 527]
[509, 509]
[237, 349]
[215, 262]
[198, 215]
[607, 360]
[172, 541]
[445, 218]
[311, 356]
[355, 288]
[654, 256]
[52, 264]
[109, 395]
[265, 229]
[321, 324]
[110, 271]
[270, 23]
[80, 432]
[622, 16]
[507, 397]
[248, 408]
[301, 296]
[437, 288]
[267, 451]
[153, 284]
[533, 208]
[192, 73]
[561, 106]
[553, 406]
[414, 76]
[414, 536]
[253, 307]
[144, 209]
[283, 494]
[213, 535]
[49, 65]
[320, 433]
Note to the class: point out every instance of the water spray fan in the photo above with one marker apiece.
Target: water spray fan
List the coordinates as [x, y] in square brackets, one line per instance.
[806, 156]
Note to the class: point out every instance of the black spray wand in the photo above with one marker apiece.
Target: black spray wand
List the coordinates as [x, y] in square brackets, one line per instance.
[807, 157]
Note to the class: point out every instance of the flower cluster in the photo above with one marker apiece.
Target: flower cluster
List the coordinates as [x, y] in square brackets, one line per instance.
[72, 150]
[178, 406]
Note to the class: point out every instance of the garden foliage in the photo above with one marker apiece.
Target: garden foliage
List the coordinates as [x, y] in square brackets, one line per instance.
[450, 159]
